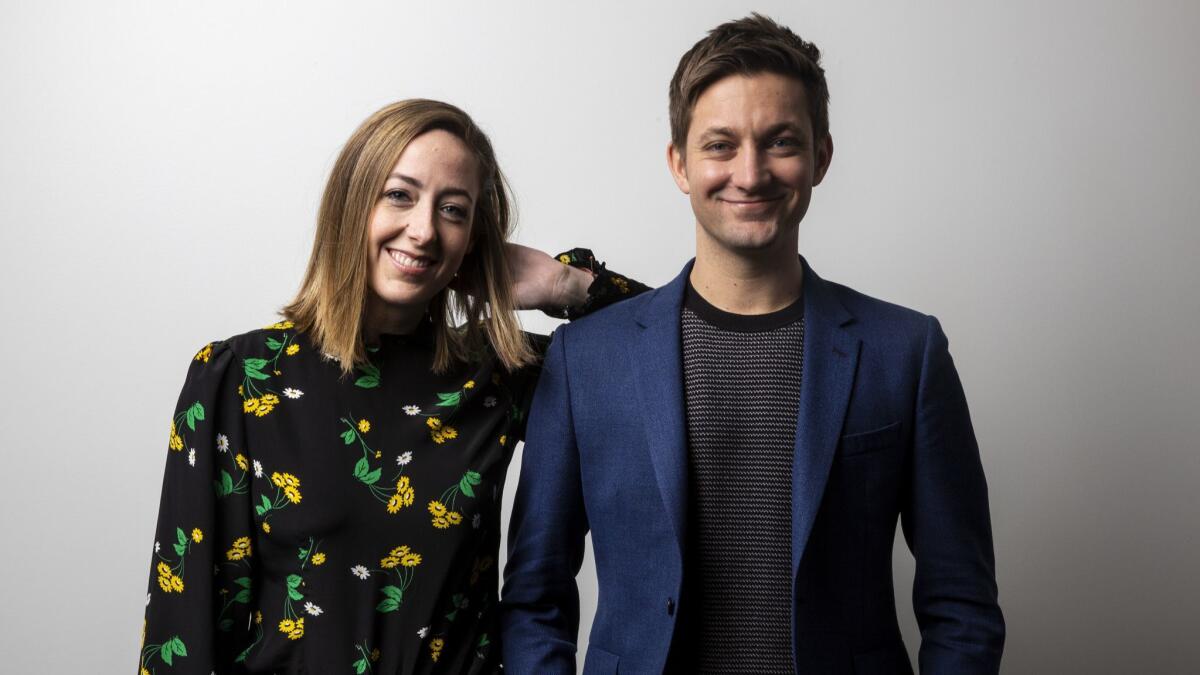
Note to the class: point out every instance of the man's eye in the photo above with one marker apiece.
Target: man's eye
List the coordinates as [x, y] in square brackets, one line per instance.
[786, 143]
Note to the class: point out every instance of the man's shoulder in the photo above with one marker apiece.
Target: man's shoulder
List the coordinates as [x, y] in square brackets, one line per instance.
[874, 315]
[613, 322]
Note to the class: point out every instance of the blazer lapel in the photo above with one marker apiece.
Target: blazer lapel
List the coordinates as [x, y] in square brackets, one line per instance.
[657, 351]
[830, 359]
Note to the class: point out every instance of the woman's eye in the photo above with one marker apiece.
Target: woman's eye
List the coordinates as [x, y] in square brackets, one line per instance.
[455, 211]
[397, 196]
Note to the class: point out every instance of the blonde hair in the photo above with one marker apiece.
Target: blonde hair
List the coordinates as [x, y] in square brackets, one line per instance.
[332, 300]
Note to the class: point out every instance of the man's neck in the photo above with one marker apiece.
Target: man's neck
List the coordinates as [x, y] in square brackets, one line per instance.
[755, 284]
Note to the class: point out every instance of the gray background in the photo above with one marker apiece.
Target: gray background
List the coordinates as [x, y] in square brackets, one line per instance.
[1024, 170]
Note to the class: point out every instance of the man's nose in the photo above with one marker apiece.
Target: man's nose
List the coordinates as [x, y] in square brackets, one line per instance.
[750, 171]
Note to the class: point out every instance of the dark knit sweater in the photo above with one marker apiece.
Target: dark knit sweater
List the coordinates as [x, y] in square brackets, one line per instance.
[742, 393]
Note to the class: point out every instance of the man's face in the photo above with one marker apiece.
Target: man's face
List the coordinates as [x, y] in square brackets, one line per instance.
[750, 163]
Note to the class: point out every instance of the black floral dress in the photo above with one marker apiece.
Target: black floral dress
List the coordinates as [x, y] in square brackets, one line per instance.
[316, 523]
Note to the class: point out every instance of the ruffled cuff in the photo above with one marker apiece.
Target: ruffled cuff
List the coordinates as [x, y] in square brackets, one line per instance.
[607, 286]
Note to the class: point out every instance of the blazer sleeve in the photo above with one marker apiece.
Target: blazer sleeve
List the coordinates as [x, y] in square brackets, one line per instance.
[948, 528]
[540, 602]
[202, 568]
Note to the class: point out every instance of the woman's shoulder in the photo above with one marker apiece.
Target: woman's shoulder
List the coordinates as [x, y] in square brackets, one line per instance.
[271, 341]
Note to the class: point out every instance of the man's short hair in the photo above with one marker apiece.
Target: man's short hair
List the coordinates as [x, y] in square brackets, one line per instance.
[747, 46]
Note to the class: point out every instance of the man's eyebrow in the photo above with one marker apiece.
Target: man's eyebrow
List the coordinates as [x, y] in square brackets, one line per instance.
[417, 184]
[777, 129]
[716, 132]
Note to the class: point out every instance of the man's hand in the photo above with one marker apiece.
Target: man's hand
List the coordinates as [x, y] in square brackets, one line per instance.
[541, 282]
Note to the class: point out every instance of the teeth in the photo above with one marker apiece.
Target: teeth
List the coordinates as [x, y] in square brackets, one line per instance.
[409, 261]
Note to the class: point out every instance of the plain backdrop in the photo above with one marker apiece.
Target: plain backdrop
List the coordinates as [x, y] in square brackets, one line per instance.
[1026, 171]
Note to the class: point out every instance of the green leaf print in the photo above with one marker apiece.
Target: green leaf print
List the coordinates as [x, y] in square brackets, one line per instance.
[180, 549]
[388, 605]
[393, 592]
[244, 582]
[167, 655]
[178, 646]
[373, 477]
[465, 487]
[450, 399]
[360, 666]
[367, 382]
[180, 536]
[294, 580]
[348, 436]
[295, 594]
[472, 477]
[226, 486]
[225, 626]
[243, 596]
[273, 344]
[361, 468]
[195, 414]
[253, 368]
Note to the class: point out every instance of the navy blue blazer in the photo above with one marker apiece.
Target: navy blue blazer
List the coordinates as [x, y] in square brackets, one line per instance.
[883, 434]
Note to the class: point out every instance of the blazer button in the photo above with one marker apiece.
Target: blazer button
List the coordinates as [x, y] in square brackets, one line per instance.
[670, 607]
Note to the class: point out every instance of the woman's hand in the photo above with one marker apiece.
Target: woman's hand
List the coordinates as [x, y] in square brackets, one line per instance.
[541, 282]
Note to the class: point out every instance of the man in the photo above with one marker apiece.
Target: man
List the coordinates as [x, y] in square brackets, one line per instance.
[742, 441]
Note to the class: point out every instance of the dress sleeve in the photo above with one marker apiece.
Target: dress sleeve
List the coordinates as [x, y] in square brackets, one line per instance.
[198, 609]
[607, 286]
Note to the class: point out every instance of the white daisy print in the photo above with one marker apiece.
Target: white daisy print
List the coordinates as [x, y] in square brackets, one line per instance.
[423, 632]
[192, 456]
[222, 443]
[412, 410]
[147, 599]
[475, 521]
[156, 547]
[489, 402]
[404, 458]
[360, 571]
[292, 393]
[257, 469]
[313, 609]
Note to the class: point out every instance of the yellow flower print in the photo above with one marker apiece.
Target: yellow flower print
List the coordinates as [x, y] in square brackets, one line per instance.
[285, 480]
[205, 353]
[399, 551]
[292, 494]
[197, 535]
[281, 325]
[375, 654]
[318, 559]
[469, 385]
[240, 550]
[292, 349]
[293, 629]
[163, 569]
[440, 522]
[564, 259]
[266, 527]
[258, 617]
[389, 562]
[364, 426]
[450, 432]
[435, 648]
[437, 508]
[176, 584]
[503, 439]
[144, 672]
[433, 423]
[454, 517]
[394, 504]
[249, 405]
[176, 442]
[242, 462]
[165, 584]
[410, 559]
[437, 437]
[269, 399]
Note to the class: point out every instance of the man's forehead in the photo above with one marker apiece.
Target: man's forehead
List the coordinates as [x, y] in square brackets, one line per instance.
[741, 103]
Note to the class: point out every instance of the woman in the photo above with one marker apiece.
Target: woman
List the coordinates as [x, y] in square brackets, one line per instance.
[333, 481]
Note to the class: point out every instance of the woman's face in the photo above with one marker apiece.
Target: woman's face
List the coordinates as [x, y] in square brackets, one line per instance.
[420, 228]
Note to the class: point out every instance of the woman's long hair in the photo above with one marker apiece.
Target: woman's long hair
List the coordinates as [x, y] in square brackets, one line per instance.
[332, 300]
